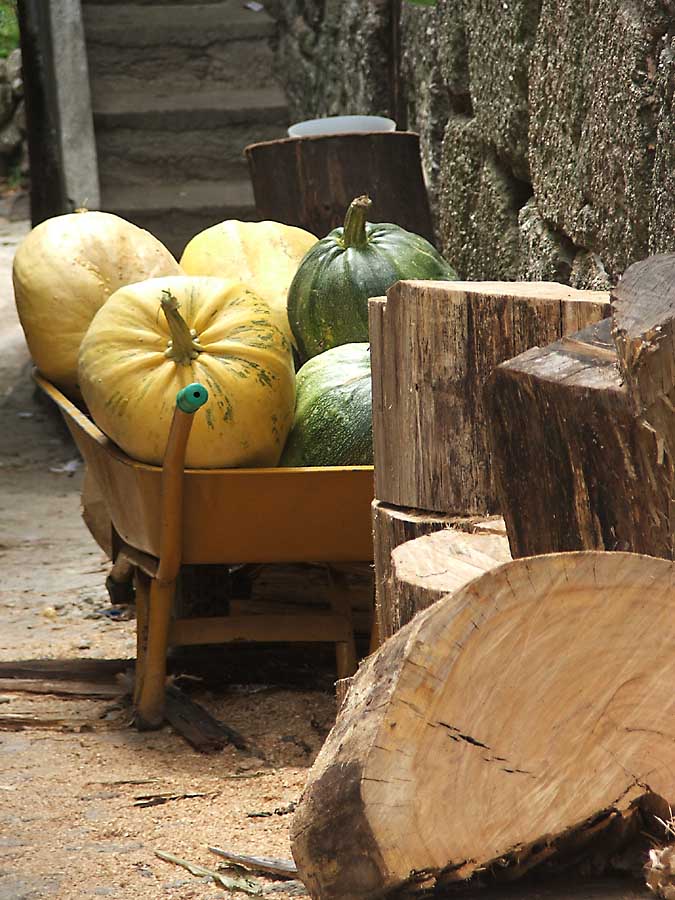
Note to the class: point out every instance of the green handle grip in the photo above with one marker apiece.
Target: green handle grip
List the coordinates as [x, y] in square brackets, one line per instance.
[190, 398]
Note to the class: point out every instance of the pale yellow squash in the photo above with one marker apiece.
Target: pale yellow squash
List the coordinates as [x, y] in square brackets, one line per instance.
[64, 271]
[264, 255]
[153, 338]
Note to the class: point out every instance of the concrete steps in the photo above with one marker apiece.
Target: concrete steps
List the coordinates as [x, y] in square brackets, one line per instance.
[178, 90]
[183, 209]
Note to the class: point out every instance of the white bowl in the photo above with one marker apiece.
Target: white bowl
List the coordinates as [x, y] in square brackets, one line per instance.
[341, 125]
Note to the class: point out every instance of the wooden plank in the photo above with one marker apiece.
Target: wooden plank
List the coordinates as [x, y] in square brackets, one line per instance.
[302, 627]
[94, 671]
[433, 347]
[75, 689]
[198, 726]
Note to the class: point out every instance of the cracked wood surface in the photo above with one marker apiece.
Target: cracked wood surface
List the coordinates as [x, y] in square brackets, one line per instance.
[433, 346]
[528, 707]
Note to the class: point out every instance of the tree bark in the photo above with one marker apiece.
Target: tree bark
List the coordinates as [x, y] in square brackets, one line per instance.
[433, 347]
[517, 717]
[394, 526]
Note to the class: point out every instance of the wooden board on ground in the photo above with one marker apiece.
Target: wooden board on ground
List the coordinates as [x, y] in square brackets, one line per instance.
[433, 346]
[517, 722]
[394, 526]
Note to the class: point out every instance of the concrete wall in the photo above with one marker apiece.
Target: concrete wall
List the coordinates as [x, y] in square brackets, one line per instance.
[547, 126]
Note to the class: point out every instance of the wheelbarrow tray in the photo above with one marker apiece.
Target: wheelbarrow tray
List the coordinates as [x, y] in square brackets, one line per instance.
[263, 515]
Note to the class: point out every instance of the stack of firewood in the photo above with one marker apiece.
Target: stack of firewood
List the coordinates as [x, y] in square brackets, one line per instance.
[518, 716]
[433, 347]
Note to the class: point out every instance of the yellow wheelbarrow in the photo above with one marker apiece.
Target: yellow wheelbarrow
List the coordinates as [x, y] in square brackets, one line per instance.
[165, 517]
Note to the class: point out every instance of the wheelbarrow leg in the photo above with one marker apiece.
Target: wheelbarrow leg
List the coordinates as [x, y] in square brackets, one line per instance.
[345, 651]
[156, 604]
[142, 589]
[152, 647]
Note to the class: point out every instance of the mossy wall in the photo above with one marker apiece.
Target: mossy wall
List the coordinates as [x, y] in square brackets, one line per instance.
[547, 126]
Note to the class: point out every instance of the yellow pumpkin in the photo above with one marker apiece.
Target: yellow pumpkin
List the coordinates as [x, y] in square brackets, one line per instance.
[264, 255]
[65, 269]
[153, 338]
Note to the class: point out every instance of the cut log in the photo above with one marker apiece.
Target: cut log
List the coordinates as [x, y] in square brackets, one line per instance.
[393, 526]
[424, 570]
[433, 346]
[521, 715]
[602, 479]
[643, 313]
[310, 182]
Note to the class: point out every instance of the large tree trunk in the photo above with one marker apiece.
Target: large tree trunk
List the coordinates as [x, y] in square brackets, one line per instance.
[394, 526]
[593, 416]
[515, 718]
[433, 346]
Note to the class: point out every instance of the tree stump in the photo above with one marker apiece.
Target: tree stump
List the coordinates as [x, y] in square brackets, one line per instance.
[309, 182]
[518, 717]
[433, 347]
[392, 527]
[594, 416]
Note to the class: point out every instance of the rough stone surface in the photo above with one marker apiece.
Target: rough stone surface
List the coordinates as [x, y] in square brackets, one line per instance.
[478, 206]
[425, 99]
[12, 114]
[547, 127]
[335, 56]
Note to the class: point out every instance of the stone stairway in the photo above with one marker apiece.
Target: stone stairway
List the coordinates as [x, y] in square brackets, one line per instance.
[179, 88]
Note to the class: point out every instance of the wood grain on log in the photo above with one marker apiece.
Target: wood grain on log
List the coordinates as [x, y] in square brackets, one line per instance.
[310, 182]
[393, 526]
[529, 706]
[426, 569]
[575, 467]
[433, 346]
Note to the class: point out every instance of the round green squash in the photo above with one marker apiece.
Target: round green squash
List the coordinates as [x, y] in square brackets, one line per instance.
[328, 297]
[333, 423]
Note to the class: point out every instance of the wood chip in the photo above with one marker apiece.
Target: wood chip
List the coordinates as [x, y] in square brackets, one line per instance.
[197, 726]
[143, 800]
[245, 885]
[284, 868]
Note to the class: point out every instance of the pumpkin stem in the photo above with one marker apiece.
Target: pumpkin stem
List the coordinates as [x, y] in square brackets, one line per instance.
[354, 231]
[183, 346]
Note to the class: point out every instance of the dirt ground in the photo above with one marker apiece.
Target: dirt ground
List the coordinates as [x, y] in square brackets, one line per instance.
[68, 824]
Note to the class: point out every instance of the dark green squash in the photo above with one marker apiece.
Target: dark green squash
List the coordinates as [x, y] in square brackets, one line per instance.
[328, 297]
[333, 423]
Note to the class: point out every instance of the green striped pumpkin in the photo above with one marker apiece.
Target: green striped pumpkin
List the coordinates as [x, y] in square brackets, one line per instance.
[333, 423]
[328, 297]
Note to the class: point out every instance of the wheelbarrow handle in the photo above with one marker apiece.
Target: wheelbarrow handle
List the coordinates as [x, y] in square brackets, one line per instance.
[192, 397]
[188, 401]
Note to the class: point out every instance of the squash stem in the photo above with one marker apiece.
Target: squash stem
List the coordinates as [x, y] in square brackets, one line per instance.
[184, 346]
[354, 232]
